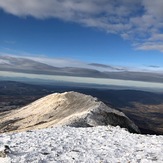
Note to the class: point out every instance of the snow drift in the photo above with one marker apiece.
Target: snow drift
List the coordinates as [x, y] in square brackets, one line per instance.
[60, 109]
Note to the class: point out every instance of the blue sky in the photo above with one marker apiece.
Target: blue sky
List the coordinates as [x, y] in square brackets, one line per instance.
[122, 32]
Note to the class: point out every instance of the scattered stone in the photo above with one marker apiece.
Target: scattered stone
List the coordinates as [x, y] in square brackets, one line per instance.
[7, 149]
[2, 154]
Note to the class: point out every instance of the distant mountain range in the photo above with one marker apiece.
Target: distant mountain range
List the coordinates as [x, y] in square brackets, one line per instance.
[24, 65]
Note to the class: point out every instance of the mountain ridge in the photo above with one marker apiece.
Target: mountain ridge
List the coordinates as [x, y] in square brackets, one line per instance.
[69, 108]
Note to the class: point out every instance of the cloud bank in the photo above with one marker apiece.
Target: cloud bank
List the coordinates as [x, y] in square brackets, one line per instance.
[140, 21]
[67, 62]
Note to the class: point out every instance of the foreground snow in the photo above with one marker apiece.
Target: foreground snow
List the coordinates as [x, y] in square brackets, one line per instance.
[90, 145]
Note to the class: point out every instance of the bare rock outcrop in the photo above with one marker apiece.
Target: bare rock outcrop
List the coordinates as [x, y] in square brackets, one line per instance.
[69, 108]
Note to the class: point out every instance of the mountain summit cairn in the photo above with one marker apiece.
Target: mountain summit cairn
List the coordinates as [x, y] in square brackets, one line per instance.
[65, 109]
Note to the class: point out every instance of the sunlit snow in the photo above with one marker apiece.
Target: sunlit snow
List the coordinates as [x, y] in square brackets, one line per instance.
[76, 145]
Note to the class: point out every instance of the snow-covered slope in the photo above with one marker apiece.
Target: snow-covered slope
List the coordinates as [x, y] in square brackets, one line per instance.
[69, 108]
[77, 145]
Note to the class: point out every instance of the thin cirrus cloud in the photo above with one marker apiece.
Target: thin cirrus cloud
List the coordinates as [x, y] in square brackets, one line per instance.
[139, 21]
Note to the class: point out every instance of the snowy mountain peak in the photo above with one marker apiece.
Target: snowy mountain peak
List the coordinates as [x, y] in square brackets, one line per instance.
[60, 109]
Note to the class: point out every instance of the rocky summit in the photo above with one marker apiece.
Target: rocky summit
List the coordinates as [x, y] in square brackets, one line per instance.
[64, 109]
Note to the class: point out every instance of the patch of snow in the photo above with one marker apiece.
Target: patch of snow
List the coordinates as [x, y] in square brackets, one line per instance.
[77, 145]
[5, 160]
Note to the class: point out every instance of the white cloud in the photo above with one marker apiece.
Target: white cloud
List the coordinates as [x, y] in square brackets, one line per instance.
[3, 61]
[154, 8]
[65, 62]
[139, 21]
[58, 62]
[156, 37]
[150, 46]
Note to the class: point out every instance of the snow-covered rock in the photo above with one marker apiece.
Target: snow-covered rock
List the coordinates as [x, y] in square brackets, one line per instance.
[104, 144]
[69, 108]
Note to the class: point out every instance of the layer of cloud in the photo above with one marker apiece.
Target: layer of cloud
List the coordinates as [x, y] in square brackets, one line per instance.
[84, 80]
[72, 63]
[139, 21]
[3, 61]
[65, 62]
